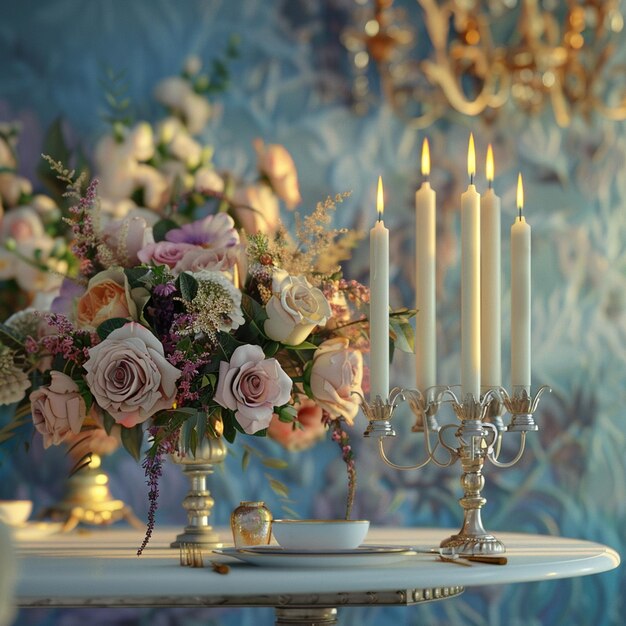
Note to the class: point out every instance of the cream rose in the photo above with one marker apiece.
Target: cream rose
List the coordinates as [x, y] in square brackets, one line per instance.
[108, 295]
[58, 410]
[129, 375]
[294, 309]
[252, 386]
[336, 375]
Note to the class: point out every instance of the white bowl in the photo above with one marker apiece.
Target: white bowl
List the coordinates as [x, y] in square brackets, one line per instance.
[15, 512]
[313, 534]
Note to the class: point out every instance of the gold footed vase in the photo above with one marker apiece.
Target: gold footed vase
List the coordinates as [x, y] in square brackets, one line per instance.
[88, 500]
[198, 502]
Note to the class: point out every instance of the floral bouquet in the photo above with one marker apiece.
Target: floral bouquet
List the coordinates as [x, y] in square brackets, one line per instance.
[190, 330]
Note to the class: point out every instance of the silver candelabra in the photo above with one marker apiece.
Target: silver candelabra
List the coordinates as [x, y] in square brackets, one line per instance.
[479, 439]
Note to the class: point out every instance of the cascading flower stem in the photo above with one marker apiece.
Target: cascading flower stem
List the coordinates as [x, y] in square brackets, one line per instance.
[341, 437]
[153, 467]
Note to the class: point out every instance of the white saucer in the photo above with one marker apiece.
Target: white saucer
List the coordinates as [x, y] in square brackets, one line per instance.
[275, 556]
[36, 530]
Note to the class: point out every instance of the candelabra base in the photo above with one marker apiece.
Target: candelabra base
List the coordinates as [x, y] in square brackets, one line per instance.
[471, 545]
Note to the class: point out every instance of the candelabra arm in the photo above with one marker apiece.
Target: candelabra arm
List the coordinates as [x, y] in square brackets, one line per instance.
[493, 458]
[385, 458]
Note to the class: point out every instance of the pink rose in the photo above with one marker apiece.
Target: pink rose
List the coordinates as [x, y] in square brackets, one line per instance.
[22, 224]
[129, 375]
[303, 433]
[295, 309]
[256, 209]
[336, 375]
[252, 386]
[164, 253]
[198, 258]
[58, 410]
[276, 163]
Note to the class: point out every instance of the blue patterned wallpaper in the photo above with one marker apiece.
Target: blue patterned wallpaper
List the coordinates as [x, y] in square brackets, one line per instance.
[290, 86]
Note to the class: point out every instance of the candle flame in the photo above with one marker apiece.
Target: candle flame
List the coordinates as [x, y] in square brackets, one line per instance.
[380, 202]
[471, 158]
[489, 166]
[425, 158]
[520, 194]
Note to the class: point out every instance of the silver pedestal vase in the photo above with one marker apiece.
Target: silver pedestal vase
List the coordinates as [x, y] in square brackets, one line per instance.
[198, 501]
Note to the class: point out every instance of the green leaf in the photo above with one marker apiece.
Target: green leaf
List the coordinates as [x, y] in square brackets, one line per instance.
[10, 338]
[135, 275]
[305, 345]
[108, 422]
[290, 512]
[162, 227]
[229, 429]
[132, 438]
[275, 463]
[188, 286]
[271, 349]
[83, 462]
[108, 326]
[252, 309]
[402, 333]
[245, 460]
[277, 487]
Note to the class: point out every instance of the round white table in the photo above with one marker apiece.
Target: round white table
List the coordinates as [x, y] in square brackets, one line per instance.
[100, 568]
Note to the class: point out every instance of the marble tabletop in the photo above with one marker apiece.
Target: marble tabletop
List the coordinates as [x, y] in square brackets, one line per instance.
[99, 567]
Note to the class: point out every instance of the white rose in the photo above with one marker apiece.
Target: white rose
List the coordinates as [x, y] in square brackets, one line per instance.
[186, 149]
[294, 309]
[153, 183]
[140, 141]
[168, 128]
[206, 178]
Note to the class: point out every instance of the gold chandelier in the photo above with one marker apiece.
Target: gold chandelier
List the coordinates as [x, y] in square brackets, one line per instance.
[551, 53]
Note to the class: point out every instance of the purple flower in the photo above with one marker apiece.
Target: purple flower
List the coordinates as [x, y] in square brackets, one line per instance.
[68, 295]
[214, 231]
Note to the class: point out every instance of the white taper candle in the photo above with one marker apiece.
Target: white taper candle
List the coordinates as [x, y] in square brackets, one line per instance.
[425, 297]
[470, 282]
[490, 284]
[520, 296]
[379, 304]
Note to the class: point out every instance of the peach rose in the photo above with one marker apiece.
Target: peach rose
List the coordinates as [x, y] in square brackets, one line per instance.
[310, 429]
[108, 295]
[58, 410]
[336, 376]
[129, 376]
[294, 309]
[276, 163]
[251, 386]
